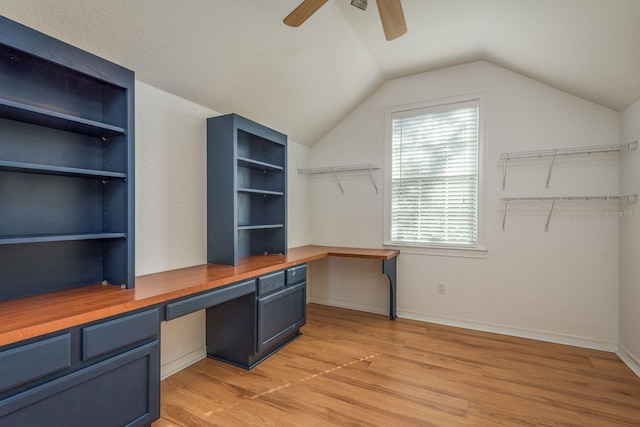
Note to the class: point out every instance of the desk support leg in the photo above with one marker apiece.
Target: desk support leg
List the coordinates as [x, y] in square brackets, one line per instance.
[389, 268]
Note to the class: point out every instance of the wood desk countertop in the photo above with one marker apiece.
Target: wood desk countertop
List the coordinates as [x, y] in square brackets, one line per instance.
[30, 317]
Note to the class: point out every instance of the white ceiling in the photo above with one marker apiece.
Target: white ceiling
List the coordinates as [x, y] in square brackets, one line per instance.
[238, 56]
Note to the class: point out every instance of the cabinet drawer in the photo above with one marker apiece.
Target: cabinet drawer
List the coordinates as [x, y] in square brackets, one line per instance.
[114, 334]
[296, 274]
[121, 391]
[270, 282]
[32, 361]
[280, 315]
[209, 299]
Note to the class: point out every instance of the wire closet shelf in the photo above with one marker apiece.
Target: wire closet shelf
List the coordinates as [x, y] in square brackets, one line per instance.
[632, 198]
[553, 153]
[335, 170]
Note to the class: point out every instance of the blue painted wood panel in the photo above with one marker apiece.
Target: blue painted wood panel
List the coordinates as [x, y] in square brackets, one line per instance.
[36, 360]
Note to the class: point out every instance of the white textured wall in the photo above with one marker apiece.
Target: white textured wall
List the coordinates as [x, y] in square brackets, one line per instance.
[630, 242]
[560, 285]
[171, 204]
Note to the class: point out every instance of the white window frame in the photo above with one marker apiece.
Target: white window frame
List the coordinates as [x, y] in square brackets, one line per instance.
[480, 251]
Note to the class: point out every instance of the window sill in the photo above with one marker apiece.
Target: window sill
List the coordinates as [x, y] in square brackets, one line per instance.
[479, 253]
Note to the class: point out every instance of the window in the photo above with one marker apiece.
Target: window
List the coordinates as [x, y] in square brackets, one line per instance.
[434, 153]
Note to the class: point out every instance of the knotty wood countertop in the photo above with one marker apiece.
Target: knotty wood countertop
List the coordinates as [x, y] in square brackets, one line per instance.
[30, 317]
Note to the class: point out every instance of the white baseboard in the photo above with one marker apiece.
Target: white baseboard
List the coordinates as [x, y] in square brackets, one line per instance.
[515, 332]
[177, 365]
[629, 360]
[350, 305]
[478, 326]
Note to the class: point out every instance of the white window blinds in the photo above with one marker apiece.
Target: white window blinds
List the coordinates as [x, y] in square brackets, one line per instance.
[434, 182]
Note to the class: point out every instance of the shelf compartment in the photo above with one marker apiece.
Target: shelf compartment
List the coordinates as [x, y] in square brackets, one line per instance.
[261, 239]
[34, 268]
[27, 143]
[270, 180]
[59, 84]
[36, 204]
[258, 207]
[261, 149]
[57, 170]
[42, 238]
[256, 164]
[53, 119]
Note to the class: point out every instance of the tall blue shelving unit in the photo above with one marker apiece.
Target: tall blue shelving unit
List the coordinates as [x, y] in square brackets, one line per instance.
[66, 166]
[246, 190]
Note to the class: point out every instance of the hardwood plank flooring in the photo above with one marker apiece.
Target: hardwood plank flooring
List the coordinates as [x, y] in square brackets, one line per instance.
[358, 369]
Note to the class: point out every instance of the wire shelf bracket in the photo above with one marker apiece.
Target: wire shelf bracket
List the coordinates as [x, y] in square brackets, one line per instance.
[335, 170]
[632, 198]
[553, 153]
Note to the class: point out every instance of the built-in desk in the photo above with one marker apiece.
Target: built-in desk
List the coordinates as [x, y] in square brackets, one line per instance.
[30, 317]
[62, 352]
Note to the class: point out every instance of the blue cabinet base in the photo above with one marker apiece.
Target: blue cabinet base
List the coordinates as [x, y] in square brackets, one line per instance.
[95, 375]
[246, 330]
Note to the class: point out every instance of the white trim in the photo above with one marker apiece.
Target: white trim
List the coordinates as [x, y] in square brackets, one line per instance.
[484, 327]
[375, 309]
[481, 253]
[182, 362]
[512, 331]
[481, 97]
[629, 359]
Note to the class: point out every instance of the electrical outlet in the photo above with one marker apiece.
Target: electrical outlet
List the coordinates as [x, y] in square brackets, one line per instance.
[442, 288]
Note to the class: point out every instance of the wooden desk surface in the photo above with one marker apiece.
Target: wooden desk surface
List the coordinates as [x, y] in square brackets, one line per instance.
[29, 317]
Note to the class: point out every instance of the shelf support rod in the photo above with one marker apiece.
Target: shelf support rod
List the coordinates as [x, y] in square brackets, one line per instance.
[335, 175]
[504, 173]
[553, 160]
[373, 179]
[504, 213]
[546, 227]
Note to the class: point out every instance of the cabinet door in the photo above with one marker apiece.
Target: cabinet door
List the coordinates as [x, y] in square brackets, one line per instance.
[280, 315]
[121, 391]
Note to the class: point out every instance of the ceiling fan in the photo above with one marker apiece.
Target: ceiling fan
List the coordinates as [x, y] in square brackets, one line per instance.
[390, 11]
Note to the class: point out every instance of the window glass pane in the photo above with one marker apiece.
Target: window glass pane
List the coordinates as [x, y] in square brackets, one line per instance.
[434, 181]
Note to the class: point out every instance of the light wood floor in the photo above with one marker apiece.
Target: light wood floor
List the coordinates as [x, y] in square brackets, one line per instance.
[356, 369]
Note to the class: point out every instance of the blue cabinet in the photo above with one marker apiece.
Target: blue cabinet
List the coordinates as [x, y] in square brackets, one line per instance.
[246, 190]
[246, 330]
[102, 374]
[66, 166]
[66, 221]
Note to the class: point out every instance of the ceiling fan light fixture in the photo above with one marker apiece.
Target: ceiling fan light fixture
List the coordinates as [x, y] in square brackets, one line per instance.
[360, 4]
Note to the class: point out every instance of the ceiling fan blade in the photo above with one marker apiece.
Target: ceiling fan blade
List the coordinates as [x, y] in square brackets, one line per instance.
[392, 18]
[303, 12]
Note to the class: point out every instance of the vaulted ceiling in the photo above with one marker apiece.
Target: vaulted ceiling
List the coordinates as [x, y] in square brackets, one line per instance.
[238, 56]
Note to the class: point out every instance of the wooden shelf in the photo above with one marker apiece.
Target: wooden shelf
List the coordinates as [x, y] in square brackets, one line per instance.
[58, 170]
[256, 164]
[260, 227]
[263, 192]
[42, 238]
[53, 119]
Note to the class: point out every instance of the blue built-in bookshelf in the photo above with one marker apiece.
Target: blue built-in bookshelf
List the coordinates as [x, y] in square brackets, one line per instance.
[246, 190]
[66, 166]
